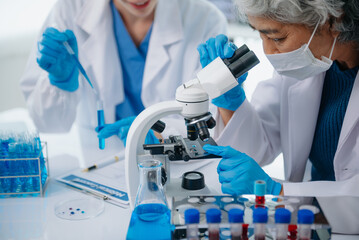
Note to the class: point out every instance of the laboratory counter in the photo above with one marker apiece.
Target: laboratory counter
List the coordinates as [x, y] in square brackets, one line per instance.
[34, 217]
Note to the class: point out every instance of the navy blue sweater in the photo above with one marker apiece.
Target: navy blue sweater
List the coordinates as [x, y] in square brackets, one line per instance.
[335, 97]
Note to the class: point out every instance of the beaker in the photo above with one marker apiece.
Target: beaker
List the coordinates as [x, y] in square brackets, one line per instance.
[151, 218]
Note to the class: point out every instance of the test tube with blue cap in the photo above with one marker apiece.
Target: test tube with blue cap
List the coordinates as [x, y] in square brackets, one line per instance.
[213, 217]
[191, 217]
[235, 218]
[100, 113]
[282, 219]
[260, 218]
[304, 222]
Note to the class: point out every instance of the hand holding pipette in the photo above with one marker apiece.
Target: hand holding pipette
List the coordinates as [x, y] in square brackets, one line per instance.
[53, 58]
[63, 66]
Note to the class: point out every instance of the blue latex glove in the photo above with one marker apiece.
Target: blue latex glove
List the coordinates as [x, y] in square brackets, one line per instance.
[121, 128]
[238, 172]
[53, 57]
[220, 47]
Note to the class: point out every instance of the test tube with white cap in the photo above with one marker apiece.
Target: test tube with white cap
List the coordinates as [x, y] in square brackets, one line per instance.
[304, 222]
[282, 219]
[191, 217]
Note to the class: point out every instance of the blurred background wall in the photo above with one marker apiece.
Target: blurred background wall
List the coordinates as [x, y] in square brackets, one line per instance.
[20, 21]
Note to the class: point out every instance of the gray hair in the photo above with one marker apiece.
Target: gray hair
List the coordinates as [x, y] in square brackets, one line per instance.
[343, 14]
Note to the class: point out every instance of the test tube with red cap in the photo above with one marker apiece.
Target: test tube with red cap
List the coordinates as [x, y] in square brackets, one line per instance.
[213, 216]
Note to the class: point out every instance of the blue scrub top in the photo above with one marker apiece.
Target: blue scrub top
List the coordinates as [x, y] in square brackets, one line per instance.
[133, 61]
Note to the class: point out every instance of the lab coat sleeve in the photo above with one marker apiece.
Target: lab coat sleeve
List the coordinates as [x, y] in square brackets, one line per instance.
[52, 109]
[254, 127]
[348, 187]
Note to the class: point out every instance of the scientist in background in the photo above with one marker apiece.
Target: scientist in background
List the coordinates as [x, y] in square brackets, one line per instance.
[135, 52]
[309, 109]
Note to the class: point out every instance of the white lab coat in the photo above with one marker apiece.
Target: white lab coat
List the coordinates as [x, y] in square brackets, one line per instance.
[282, 117]
[179, 27]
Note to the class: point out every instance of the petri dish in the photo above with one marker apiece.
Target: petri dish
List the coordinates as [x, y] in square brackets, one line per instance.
[79, 209]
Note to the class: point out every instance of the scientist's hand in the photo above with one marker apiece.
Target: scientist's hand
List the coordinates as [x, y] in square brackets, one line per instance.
[53, 57]
[221, 47]
[121, 128]
[238, 172]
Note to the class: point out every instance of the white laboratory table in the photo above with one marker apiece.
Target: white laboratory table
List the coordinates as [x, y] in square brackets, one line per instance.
[34, 217]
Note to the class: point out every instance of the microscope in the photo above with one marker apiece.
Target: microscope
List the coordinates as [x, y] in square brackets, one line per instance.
[192, 103]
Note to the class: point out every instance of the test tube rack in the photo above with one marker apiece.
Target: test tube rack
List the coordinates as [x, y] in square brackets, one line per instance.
[25, 177]
[320, 229]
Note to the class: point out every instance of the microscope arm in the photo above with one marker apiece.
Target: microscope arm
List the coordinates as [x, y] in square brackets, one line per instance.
[136, 139]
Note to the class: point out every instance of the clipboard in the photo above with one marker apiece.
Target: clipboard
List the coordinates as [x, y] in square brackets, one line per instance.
[107, 183]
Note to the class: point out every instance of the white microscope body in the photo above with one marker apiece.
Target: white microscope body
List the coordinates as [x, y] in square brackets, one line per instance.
[192, 100]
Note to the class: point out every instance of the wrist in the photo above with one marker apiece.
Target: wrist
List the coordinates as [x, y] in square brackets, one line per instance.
[277, 188]
[231, 100]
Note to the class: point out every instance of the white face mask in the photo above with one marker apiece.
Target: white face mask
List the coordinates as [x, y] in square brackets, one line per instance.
[300, 63]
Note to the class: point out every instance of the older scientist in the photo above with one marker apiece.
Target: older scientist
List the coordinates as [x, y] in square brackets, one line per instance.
[136, 53]
[307, 111]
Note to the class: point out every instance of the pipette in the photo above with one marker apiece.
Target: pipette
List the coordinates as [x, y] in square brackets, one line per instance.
[78, 64]
[100, 113]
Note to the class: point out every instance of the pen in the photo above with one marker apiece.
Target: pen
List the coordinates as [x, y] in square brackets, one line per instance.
[99, 196]
[102, 164]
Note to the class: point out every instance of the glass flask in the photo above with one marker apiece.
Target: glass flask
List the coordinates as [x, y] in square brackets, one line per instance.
[151, 218]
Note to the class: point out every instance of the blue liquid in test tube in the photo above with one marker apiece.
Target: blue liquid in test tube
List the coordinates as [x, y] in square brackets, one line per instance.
[101, 124]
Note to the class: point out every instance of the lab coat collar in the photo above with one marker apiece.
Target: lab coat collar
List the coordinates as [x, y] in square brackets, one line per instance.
[167, 30]
[91, 14]
[351, 115]
[304, 99]
[168, 22]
